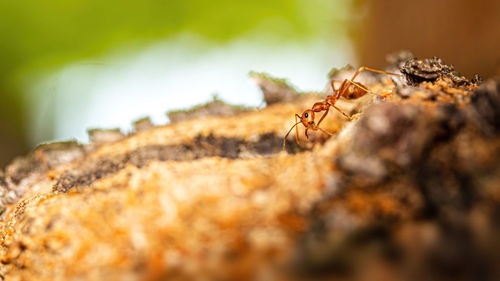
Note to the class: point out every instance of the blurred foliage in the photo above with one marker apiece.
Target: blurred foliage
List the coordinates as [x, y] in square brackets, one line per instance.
[38, 37]
[37, 33]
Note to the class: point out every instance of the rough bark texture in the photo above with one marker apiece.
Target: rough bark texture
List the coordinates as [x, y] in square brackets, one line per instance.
[407, 190]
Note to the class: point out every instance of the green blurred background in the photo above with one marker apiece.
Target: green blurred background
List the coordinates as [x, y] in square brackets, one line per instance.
[38, 38]
[48, 45]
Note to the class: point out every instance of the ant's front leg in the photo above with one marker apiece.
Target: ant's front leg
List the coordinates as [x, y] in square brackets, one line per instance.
[319, 122]
[323, 117]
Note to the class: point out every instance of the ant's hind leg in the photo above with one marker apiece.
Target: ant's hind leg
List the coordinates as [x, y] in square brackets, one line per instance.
[332, 84]
[345, 86]
[359, 86]
[372, 70]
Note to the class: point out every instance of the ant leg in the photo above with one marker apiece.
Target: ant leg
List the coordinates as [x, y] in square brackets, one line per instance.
[344, 87]
[338, 109]
[322, 117]
[333, 85]
[340, 92]
[359, 86]
[384, 95]
[368, 91]
[372, 70]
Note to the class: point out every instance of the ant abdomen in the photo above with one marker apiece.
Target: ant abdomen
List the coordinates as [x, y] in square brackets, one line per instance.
[355, 92]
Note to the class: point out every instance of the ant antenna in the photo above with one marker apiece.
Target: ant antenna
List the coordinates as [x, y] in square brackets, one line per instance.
[286, 136]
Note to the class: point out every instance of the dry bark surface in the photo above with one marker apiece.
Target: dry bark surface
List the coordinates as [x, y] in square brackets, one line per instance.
[407, 190]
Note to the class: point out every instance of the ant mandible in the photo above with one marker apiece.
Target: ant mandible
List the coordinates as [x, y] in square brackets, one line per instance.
[348, 90]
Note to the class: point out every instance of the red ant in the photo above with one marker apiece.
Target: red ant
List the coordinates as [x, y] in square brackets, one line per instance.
[348, 89]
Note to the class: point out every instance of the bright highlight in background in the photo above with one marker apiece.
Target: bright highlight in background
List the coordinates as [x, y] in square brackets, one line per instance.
[66, 66]
[184, 71]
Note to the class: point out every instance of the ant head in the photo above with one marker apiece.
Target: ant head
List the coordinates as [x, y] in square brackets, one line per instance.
[307, 118]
